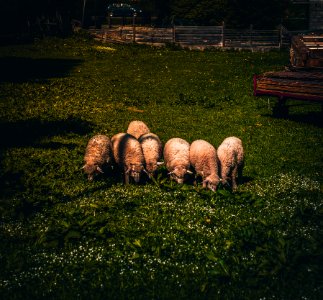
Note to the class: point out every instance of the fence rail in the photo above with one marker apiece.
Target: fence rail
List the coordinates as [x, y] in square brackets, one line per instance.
[216, 36]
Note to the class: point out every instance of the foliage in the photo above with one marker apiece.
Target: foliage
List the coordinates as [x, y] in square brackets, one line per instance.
[64, 237]
[27, 17]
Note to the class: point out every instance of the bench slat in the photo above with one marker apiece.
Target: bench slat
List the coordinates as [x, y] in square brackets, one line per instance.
[287, 84]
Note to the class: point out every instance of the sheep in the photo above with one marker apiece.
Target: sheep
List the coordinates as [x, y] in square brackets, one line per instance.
[204, 160]
[97, 153]
[137, 128]
[177, 158]
[231, 157]
[152, 149]
[128, 155]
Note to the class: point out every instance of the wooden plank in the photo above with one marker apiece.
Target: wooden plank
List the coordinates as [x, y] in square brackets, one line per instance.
[290, 95]
[290, 85]
[289, 74]
[290, 90]
[297, 85]
[286, 88]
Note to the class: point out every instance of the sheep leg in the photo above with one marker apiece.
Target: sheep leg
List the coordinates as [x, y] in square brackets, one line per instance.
[126, 178]
[195, 182]
[240, 168]
[225, 175]
[234, 178]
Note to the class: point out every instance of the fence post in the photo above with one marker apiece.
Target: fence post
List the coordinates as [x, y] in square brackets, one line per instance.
[250, 35]
[109, 19]
[174, 34]
[281, 36]
[222, 35]
[134, 27]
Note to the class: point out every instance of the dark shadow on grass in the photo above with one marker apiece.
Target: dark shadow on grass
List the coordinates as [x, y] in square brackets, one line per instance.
[245, 179]
[30, 132]
[55, 145]
[22, 69]
[311, 118]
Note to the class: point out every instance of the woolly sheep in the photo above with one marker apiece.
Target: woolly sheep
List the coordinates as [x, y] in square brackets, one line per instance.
[137, 128]
[128, 155]
[204, 160]
[97, 153]
[177, 158]
[231, 157]
[152, 149]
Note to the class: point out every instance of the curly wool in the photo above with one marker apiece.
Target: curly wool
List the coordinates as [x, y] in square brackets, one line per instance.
[128, 154]
[203, 159]
[231, 157]
[137, 128]
[97, 153]
[152, 149]
[177, 158]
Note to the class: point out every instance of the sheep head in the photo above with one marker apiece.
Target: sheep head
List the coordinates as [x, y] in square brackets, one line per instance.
[178, 174]
[91, 171]
[135, 170]
[211, 182]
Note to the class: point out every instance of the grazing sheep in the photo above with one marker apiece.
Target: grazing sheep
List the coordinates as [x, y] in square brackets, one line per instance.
[128, 155]
[204, 160]
[152, 149]
[177, 158]
[137, 128]
[97, 153]
[231, 157]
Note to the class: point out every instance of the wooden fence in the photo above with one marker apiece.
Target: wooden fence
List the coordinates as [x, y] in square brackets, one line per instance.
[188, 36]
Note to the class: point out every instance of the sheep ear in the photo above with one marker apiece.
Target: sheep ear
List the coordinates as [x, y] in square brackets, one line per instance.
[99, 169]
[170, 173]
[145, 171]
[128, 170]
[159, 163]
[83, 167]
[189, 172]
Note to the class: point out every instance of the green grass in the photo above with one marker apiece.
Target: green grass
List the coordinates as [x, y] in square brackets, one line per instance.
[63, 237]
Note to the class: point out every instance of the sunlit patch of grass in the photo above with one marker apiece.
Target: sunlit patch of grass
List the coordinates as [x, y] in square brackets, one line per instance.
[104, 48]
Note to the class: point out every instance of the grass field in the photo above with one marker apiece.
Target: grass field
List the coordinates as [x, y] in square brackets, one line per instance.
[63, 237]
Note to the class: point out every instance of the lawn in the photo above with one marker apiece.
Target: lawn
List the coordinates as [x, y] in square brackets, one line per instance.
[63, 237]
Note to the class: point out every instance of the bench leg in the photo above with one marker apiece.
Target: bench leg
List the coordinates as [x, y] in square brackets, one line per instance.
[280, 110]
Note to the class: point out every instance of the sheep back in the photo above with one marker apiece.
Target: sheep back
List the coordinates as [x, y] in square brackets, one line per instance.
[152, 150]
[177, 160]
[128, 155]
[137, 128]
[98, 152]
[204, 160]
[231, 157]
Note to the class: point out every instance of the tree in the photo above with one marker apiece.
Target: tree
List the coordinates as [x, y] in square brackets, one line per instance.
[205, 12]
[261, 13]
[236, 13]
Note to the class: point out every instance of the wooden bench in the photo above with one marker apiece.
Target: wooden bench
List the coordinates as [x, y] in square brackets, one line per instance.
[289, 85]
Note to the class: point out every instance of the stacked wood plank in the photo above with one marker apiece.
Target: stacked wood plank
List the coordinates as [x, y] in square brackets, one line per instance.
[294, 85]
[307, 51]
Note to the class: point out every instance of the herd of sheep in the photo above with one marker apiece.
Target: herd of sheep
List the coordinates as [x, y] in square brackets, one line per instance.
[140, 151]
